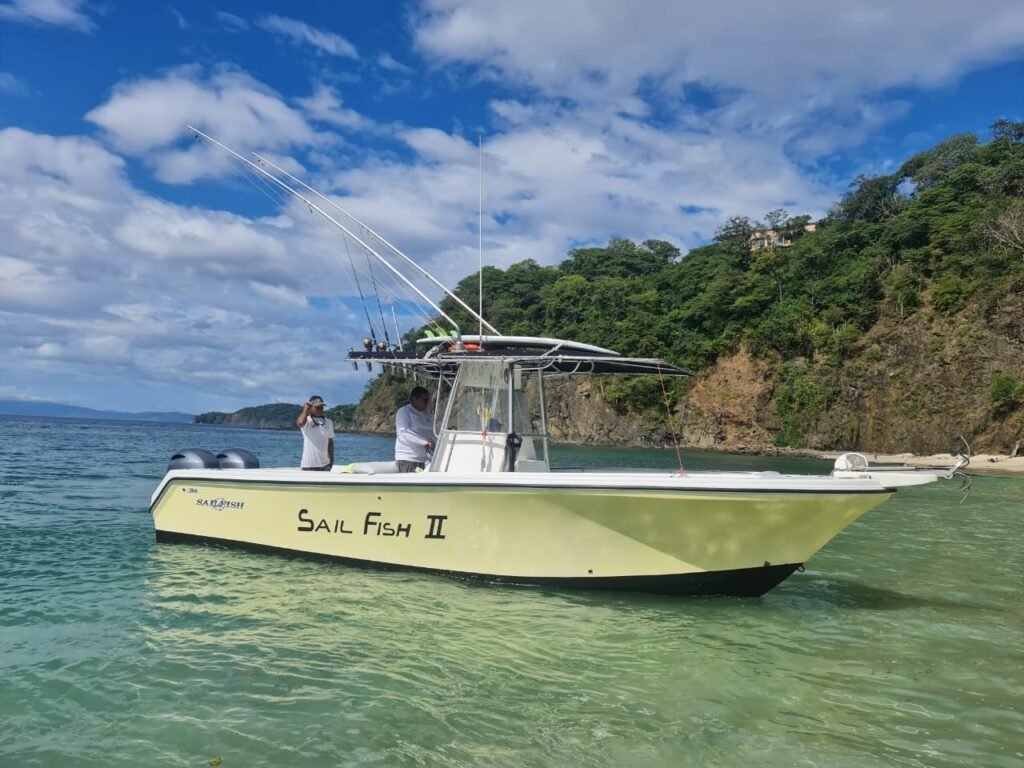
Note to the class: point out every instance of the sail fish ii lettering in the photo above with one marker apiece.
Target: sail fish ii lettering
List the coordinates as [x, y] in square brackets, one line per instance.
[373, 525]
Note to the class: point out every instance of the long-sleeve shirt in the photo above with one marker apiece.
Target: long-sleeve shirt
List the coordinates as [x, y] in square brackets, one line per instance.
[414, 429]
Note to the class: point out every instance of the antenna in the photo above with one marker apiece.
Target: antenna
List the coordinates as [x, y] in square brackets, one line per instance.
[480, 306]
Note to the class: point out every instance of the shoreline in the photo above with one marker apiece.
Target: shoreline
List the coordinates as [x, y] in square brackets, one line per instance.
[981, 463]
[991, 464]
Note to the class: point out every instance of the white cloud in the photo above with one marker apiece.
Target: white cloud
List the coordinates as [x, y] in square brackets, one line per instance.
[325, 105]
[17, 393]
[149, 117]
[179, 17]
[792, 49]
[102, 283]
[60, 13]
[772, 67]
[641, 120]
[12, 85]
[202, 240]
[299, 33]
[279, 294]
[232, 22]
[388, 62]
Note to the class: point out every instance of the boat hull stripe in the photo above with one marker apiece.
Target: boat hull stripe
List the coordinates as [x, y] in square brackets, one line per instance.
[525, 487]
[742, 582]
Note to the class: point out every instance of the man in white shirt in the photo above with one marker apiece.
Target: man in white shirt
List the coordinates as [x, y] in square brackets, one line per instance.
[317, 436]
[414, 429]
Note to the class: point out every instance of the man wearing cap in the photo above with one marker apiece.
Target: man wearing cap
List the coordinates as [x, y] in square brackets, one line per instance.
[317, 436]
[414, 432]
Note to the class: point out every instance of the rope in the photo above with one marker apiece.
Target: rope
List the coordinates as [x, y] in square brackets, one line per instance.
[671, 422]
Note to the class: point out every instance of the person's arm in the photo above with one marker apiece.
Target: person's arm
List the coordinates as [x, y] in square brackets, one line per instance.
[330, 450]
[303, 416]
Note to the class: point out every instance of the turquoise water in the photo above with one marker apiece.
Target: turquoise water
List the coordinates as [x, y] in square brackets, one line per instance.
[902, 644]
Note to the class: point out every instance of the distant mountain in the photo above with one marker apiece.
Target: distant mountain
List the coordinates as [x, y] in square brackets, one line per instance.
[60, 411]
[270, 416]
[273, 416]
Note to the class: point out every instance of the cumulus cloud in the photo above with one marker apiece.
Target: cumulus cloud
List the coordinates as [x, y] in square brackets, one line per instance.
[793, 49]
[148, 118]
[101, 282]
[59, 13]
[637, 120]
[300, 33]
[761, 67]
[325, 105]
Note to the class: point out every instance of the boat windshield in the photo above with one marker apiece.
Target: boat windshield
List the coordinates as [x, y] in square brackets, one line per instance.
[487, 403]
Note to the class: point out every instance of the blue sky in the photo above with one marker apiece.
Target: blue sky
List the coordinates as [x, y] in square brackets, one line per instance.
[141, 270]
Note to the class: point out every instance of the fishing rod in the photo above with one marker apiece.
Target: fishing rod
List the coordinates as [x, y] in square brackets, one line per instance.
[376, 294]
[475, 315]
[280, 197]
[359, 288]
[313, 207]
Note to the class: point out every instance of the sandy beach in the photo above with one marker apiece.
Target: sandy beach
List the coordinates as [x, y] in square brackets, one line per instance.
[981, 463]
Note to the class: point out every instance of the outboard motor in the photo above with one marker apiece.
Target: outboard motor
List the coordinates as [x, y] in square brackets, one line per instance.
[237, 458]
[193, 458]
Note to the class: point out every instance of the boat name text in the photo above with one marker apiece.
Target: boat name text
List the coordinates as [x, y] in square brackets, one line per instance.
[219, 504]
[374, 524]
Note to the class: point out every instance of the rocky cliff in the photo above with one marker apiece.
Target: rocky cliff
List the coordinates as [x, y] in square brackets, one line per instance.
[912, 384]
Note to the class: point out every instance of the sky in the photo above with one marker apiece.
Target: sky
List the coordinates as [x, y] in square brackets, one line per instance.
[141, 269]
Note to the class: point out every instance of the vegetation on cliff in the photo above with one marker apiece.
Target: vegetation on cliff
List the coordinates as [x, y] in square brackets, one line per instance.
[925, 264]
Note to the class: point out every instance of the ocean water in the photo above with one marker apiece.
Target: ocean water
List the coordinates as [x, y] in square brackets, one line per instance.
[902, 644]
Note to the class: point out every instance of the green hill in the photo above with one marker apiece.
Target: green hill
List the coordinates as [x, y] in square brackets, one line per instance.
[274, 416]
[895, 325]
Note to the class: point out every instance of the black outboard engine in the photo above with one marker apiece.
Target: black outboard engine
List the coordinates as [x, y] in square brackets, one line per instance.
[237, 458]
[193, 458]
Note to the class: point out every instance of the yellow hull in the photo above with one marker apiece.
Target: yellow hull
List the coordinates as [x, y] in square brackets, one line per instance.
[636, 538]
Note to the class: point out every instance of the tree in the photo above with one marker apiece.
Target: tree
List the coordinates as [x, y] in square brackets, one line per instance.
[867, 201]
[776, 219]
[926, 169]
[1008, 229]
[1007, 130]
[736, 228]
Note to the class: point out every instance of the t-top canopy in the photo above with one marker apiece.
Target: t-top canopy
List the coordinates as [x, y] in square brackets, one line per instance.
[546, 355]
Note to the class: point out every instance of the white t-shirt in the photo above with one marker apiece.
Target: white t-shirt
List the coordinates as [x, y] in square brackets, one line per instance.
[315, 439]
[413, 430]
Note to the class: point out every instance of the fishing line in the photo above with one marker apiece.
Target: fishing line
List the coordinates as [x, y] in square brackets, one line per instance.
[359, 288]
[376, 294]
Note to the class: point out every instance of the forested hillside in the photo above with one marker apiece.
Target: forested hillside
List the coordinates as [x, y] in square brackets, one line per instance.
[894, 325]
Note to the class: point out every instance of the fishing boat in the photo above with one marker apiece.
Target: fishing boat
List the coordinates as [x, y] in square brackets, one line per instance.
[490, 506]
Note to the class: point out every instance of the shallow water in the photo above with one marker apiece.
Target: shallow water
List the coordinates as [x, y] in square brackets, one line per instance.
[902, 644]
